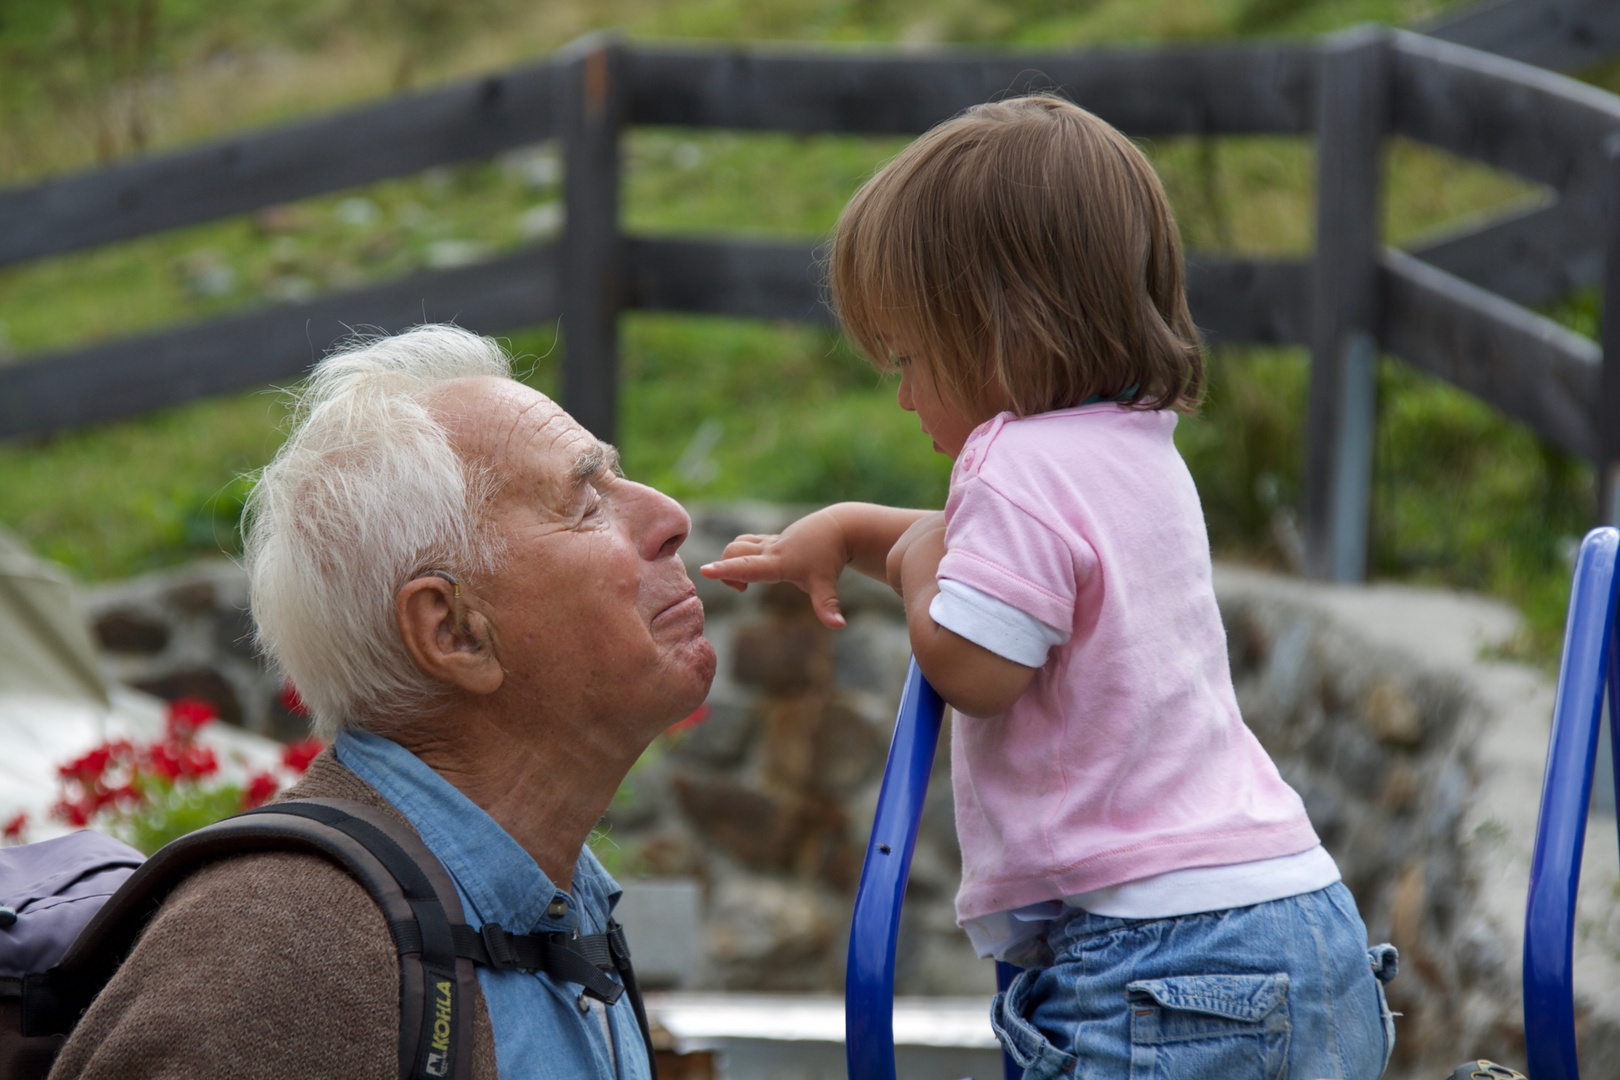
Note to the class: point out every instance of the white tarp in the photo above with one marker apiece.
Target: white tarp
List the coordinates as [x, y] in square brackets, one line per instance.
[45, 647]
[54, 702]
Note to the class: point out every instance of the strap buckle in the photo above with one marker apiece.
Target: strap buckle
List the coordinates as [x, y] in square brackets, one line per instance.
[498, 946]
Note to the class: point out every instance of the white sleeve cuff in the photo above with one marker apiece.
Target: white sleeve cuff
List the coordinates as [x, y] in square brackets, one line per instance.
[994, 624]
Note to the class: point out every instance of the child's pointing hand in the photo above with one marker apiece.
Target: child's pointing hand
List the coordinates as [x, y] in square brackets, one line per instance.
[810, 553]
[814, 550]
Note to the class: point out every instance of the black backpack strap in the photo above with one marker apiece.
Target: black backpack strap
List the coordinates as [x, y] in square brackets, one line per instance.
[436, 986]
[620, 947]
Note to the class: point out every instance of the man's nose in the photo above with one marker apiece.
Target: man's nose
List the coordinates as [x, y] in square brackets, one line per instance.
[662, 524]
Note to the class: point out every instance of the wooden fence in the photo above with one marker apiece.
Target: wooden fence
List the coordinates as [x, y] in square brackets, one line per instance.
[1454, 308]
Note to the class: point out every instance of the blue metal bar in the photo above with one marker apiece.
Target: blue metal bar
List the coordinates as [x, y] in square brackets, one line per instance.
[1566, 792]
[869, 980]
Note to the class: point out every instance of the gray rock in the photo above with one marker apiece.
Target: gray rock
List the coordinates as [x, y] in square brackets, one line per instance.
[126, 631]
[871, 653]
[723, 739]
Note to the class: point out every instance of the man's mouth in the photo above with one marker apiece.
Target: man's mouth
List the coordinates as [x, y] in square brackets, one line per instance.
[683, 605]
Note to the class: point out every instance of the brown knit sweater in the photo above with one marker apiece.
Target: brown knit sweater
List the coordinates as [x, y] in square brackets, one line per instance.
[275, 966]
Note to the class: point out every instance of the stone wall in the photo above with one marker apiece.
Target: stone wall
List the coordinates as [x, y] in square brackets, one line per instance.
[187, 633]
[1417, 756]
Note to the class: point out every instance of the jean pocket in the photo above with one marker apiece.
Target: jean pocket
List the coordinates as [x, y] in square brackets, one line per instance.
[1034, 1052]
[1232, 1026]
[1385, 961]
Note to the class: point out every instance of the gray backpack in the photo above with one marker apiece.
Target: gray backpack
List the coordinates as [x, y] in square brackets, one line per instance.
[48, 892]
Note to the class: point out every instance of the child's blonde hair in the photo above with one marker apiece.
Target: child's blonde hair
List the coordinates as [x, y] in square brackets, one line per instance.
[1026, 253]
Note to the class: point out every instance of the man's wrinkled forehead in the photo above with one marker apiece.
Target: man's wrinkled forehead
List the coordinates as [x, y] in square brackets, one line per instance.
[524, 436]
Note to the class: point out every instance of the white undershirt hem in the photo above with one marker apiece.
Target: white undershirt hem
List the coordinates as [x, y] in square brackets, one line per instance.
[1162, 896]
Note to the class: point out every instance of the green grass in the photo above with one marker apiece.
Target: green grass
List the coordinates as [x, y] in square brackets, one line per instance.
[712, 408]
[118, 499]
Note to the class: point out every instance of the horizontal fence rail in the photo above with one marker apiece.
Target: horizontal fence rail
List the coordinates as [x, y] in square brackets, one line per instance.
[1532, 257]
[1527, 366]
[1559, 34]
[138, 374]
[1260, 89]
[397, 137]
[1523, 119]
[1453, 306]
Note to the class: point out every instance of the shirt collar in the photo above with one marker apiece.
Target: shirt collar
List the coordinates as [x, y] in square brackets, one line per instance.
[499, 880]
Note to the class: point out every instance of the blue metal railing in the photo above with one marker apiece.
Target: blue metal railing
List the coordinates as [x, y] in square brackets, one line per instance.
[869, 981]
[1566, 792]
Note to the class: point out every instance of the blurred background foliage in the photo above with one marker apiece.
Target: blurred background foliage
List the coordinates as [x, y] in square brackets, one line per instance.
[712, 409]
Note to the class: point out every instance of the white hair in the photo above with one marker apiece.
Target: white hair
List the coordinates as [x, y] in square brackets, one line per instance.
[366, 493]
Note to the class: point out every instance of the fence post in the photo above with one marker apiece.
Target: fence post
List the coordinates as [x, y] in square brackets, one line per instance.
[1608, 417]
[1352, 114]
[592, 99]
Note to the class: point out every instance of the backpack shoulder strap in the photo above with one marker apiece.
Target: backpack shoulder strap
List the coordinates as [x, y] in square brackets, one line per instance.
[414, 893]
[436, 984]
[577, 959]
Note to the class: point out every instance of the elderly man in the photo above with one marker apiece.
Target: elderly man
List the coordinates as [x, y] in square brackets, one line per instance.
[492, 624]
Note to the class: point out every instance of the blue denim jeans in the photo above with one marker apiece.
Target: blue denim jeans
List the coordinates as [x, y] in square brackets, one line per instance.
[1285, 990]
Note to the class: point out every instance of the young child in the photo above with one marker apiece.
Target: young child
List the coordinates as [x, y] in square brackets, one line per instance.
[1123, 834]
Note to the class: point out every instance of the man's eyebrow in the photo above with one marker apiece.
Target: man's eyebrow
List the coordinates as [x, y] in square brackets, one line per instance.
[589, 463]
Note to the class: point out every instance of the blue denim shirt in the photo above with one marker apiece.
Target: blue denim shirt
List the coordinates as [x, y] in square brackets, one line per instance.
[540, 1030]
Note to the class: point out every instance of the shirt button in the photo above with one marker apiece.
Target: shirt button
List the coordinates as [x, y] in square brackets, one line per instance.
[557, 909]
[583, 1005]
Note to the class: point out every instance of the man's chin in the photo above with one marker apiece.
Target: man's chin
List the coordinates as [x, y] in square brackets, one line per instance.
[689, 677]
[704, 665]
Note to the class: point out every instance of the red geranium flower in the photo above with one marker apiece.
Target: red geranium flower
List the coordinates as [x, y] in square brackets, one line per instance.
[74, 812]
[13, 830]
[164, 759]
[700, 714]
[90, 768]
[291, 701]
[186, 715]
[261, 788]
[297, 756]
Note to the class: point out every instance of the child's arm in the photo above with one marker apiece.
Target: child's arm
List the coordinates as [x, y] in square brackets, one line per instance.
[971, 678]
[815, 549]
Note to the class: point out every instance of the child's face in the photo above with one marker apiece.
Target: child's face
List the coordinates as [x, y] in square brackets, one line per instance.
[941, 419]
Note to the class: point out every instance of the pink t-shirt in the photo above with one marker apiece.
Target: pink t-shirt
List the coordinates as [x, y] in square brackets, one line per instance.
[1127, 756]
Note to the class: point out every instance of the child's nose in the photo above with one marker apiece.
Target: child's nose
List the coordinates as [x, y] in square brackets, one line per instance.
[903, 394]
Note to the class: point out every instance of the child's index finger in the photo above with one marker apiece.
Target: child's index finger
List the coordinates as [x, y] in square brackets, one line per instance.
[742, 568]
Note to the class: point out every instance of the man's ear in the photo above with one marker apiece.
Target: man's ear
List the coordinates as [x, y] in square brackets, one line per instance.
[446, 637]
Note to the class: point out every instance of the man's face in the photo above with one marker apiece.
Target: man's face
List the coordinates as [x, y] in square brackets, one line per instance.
[592, 609]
